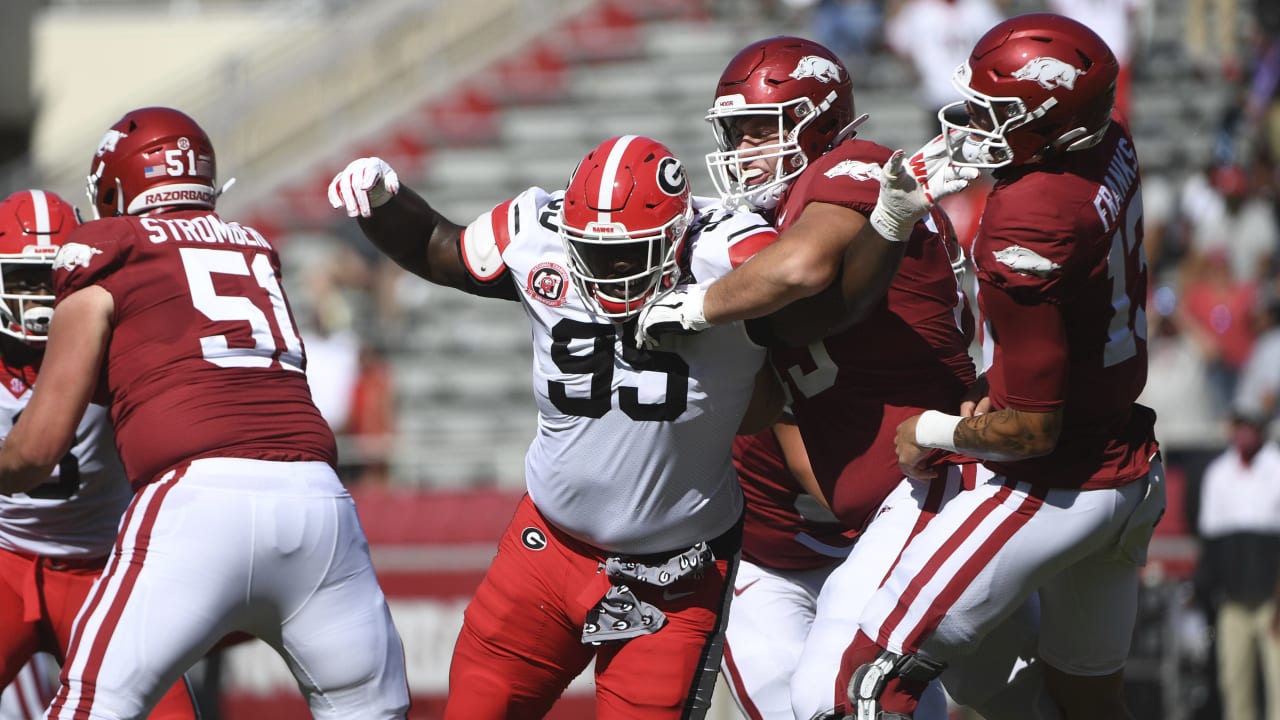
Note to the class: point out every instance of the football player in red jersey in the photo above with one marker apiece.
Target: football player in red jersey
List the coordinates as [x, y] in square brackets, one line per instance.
[176, 318]
[858, 298]
[791, 543]
[54, 538]
[1074, 484]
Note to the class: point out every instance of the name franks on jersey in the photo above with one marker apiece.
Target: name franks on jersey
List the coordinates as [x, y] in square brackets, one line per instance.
[1121, 175]
[547, 284]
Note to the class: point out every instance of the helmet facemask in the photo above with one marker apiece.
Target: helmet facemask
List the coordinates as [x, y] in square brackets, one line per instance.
[981, 143]
[737, 183]
[619, 272]
[26, 297]
[985, 141]
[33, 225]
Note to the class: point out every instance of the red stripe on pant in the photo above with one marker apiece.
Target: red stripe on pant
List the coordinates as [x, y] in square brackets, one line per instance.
[965, 576]
[932, 504]
[931, 568]
[748, 708]
[102, 637]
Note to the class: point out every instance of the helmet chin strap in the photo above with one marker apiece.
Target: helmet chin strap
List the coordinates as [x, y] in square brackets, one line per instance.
[849, 130]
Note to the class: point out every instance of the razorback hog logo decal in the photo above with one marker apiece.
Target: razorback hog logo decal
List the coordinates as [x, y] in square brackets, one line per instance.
[816, 67]
[73, 255]
[1049, 72]
[855, 169]
[109, 141]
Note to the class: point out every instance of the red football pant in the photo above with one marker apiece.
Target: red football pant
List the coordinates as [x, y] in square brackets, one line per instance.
[520, 643]
[39, 601]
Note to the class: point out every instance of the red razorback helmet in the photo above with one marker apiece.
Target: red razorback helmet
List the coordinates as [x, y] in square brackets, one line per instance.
[33, 225]
[1034, 85]
[626, 210]
[152, 158]
[799, 82]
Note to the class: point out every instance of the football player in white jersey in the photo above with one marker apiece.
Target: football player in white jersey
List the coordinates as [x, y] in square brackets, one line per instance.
[625, 547]
[54, 539]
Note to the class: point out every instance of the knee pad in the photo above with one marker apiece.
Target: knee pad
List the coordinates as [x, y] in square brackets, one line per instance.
[869, 681]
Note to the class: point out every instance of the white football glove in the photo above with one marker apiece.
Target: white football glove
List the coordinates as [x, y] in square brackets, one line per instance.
[678, 312]
[364, 184]
[908, 190]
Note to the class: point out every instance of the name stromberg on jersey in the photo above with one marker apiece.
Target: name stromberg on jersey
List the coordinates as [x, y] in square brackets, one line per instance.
[1121, 175]
[205, 229]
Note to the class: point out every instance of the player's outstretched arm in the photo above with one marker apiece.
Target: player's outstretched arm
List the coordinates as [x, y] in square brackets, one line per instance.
[399, 221]
[792, 281]
[44, 432]
[803, 261]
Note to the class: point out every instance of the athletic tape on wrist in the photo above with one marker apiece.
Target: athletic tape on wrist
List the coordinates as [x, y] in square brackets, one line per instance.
[937, 430]
[890, 228]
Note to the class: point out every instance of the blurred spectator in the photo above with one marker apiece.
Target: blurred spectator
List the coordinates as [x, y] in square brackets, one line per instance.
[1216, 314]
[935, 37]
[371, 424]
[1262, 109]
[351, 382]
[1176, 387]
[1237, 575]
[849, 28]
[333, 347]
[1114, 21]
[1259, 388]
[1161, 226]
[1237, 223]
[1213, 36]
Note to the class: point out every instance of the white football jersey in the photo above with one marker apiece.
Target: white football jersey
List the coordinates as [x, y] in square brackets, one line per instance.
[75, 513]
[633, 450]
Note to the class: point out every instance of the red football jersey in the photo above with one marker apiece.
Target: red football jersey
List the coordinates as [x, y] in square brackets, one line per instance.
[776, 534]
[1062, 286]
[909, 354]
[205, 358]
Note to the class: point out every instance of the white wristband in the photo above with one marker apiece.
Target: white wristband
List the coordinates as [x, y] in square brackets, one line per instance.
[937, 430]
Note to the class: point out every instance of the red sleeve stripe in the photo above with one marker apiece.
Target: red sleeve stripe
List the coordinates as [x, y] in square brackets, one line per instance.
[484, 241]
[742, 250]
[501, 218]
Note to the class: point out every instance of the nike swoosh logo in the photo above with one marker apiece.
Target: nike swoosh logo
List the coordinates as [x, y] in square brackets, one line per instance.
[668, 595]
[739, 590]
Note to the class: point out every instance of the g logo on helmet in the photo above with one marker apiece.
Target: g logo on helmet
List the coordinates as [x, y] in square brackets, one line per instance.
[671, 177]
[1049, 72]
[818, 68]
